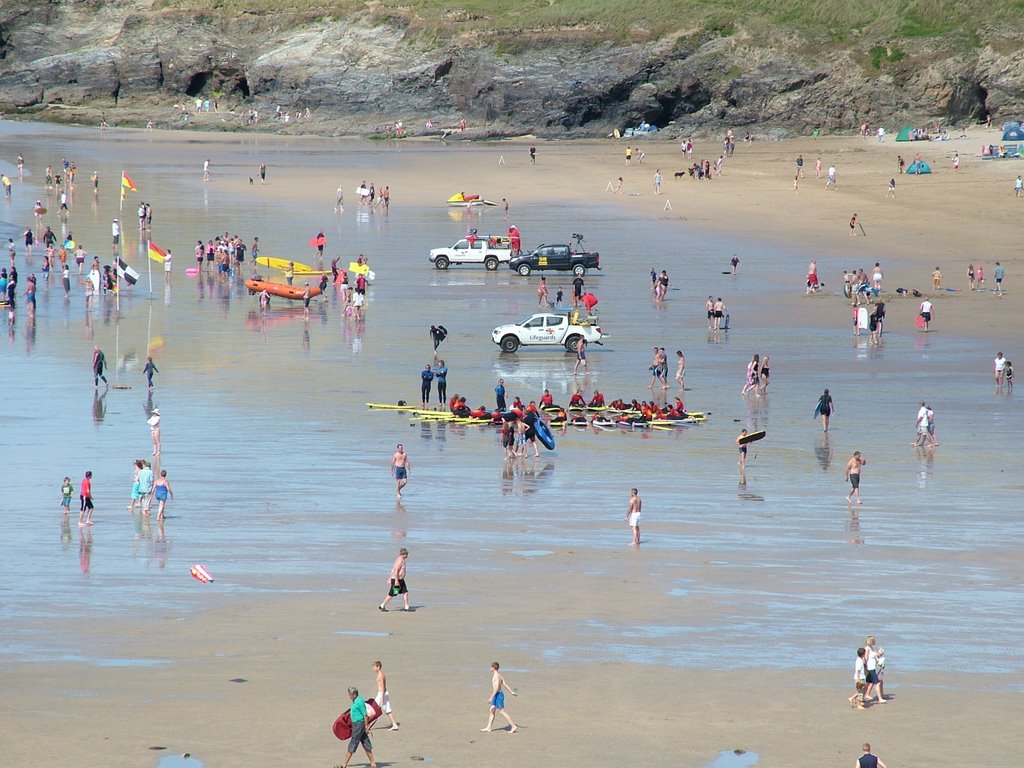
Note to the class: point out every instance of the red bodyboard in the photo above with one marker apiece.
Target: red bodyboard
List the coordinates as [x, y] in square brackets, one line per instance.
[343, 725]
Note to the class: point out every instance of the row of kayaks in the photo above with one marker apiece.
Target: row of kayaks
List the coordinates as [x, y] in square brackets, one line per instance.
[597, 416]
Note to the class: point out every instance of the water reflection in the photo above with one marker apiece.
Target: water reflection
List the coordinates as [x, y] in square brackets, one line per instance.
[521, 477]
[853, 528]
[925, 464]
[85, 549]
[161, 545]
[99, 406]
[824, 452]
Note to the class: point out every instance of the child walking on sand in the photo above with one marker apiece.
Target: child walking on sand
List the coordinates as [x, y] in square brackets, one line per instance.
[859, 680]
[497, 700]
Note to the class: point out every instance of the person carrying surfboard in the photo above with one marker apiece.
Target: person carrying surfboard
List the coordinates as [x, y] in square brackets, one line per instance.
[825, 409]
[438, 333]
[742, 463]
[357, 715]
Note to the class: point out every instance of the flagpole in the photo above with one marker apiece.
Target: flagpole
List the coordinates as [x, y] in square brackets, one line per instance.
[149, 264]
[121, 208]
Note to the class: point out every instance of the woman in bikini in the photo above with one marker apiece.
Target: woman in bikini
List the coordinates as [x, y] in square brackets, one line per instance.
[765, 374]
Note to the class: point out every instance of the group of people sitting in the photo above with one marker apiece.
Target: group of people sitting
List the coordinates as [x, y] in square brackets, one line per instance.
[628, 412]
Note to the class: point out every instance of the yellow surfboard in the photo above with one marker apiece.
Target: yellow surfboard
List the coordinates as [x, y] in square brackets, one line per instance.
[282, 264]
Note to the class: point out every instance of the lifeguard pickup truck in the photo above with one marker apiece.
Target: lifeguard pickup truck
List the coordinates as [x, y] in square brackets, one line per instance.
[487, 250]
[545, 329]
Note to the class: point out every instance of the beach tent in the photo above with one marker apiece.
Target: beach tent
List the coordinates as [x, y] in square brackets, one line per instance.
[1013, 134]
[905, 134]
[1010, 125]
[919, 166]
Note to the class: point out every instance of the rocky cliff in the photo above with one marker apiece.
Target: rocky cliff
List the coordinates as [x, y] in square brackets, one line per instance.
[131, 59]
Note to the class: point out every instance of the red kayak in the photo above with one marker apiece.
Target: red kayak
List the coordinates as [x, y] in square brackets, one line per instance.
[343, 725]
[283, 290]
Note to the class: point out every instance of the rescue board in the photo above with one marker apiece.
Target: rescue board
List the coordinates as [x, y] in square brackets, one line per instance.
[753, 437]
[273, 262]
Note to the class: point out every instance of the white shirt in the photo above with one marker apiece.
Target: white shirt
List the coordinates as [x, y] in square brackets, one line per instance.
[1000, 363]
[922, 416]
[926, 306]
[115, 229]
[167, 262]
[858, 671]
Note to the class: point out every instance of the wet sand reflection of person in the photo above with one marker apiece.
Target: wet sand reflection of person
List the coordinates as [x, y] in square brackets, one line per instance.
[85, 549]
[823, 451]
[99, 406]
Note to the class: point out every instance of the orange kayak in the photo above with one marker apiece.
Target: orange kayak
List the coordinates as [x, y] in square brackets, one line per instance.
[283, 290]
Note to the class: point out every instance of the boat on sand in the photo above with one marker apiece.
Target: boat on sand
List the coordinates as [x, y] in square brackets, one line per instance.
[283, 290]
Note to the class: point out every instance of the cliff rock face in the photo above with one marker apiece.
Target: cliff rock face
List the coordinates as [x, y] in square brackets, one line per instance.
[125, 54]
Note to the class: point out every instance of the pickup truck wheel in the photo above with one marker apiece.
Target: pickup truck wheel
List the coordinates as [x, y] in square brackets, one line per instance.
[441, 262]
[509, 344]
[579, 270]
[491, 263]
[571, 342]
[524, 270]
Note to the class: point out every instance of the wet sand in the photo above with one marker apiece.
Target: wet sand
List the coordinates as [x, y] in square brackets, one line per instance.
[735, 623]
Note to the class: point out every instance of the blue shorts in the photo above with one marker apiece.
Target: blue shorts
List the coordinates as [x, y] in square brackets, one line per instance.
[136, 491]
[401, 473]
[498, 700]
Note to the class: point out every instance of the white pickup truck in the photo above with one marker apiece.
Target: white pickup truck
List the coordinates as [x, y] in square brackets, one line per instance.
[545, 329]
[489, 251]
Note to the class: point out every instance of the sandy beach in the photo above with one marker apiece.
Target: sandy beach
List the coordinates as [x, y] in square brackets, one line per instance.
[735, 623]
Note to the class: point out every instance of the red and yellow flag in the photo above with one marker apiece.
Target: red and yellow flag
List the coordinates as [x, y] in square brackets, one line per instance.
[156, 253]
[126, 181]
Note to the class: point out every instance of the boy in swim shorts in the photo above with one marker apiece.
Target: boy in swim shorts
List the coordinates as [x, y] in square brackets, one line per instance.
[497, 700]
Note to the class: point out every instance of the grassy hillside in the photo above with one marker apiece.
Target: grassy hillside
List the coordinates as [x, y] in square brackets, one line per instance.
[834, 20]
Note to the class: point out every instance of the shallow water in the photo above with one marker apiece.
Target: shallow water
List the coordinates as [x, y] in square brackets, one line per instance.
[731, 758]
[275, 460]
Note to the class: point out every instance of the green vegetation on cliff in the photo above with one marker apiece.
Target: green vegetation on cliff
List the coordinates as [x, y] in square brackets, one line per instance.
[834, 20]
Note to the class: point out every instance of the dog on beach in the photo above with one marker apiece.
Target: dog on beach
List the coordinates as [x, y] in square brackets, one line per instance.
[679, 174]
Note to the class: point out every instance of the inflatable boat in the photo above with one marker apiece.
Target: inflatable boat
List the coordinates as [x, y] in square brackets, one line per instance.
[282, 290]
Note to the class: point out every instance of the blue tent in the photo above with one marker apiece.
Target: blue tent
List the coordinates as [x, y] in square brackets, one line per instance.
[919, 167]
[1013, 134]
[1011, 124]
